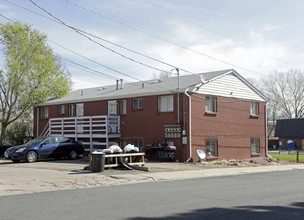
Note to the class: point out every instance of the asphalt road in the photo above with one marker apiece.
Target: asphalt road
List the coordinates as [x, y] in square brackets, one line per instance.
[272, 195]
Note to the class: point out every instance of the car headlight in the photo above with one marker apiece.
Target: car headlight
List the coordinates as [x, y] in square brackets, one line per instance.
[20, 150]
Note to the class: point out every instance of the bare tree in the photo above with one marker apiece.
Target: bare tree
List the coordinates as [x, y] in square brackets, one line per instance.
[161, 75]
[285, 91]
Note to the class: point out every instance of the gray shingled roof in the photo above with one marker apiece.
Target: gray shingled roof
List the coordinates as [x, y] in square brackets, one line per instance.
[144, 88]
[290, 128]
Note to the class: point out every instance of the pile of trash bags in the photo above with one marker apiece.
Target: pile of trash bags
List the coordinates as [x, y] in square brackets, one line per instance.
[115, 149]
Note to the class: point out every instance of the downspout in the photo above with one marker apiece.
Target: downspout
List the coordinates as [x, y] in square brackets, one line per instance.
[190, 147]
[266, 132]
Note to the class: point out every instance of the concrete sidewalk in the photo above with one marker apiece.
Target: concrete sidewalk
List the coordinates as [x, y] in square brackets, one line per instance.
[43, 176]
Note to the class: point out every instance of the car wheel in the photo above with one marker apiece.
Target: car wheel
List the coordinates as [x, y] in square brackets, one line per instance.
[16, 161]
[73, 154]
[31, 156]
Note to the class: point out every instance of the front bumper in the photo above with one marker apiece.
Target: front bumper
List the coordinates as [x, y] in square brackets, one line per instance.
[16, 156]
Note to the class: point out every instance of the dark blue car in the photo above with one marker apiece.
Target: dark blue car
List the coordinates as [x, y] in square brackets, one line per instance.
[45, 147]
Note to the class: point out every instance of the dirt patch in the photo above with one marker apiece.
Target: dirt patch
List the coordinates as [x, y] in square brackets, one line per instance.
[255, 162]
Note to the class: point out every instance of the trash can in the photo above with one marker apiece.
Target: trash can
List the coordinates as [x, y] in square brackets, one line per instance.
[98, 161]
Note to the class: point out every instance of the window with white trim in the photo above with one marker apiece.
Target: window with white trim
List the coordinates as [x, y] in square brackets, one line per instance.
[123, 107]
[60, 109]
[138, 144]
[137, 103]
[165, 103]
[210, 104]
[255, 145]
[211, 148]
[254, 108]
[44, 112]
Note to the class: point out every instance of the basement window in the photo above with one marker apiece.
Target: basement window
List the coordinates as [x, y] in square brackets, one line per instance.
[138, 144]
[255, 145]
[211, 148]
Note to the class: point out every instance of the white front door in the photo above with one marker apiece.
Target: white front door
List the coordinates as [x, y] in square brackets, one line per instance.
[79, 113]
[112, 108]
[112, 111]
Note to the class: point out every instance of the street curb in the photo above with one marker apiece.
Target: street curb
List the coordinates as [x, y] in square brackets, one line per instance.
[192, 174]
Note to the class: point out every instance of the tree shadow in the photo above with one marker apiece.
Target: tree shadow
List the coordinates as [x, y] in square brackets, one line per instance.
[292, 211]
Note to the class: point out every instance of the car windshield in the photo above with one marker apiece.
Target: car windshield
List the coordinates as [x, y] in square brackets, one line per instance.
[34, 141]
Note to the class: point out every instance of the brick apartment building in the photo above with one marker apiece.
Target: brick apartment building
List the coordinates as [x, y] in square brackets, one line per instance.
[218, 112]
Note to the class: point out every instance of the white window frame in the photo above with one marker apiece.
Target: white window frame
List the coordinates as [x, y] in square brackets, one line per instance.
[137, 103]
[255, 145]
[61, 109]
[165, 103]
[138, 144]
[79, 109]
[112, 108]
[210, 104]
[254, 108]
[212, 147]
[123, 107]
[44, 112]
[71, 110]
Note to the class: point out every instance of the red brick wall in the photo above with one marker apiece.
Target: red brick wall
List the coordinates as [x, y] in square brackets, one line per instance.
[232, 125]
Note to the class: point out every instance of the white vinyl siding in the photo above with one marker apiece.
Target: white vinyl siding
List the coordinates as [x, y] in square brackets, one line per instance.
[165, 103]
[229, 86]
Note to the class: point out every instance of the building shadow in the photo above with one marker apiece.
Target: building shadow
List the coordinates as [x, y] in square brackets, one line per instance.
[292, 211]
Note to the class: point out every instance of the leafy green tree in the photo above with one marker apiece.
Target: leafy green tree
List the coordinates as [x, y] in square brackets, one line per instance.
[30, 72]
[19, 132]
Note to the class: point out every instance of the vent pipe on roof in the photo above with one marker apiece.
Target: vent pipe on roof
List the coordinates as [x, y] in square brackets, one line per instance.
[121, 83]
[142, 85]
[117, 84]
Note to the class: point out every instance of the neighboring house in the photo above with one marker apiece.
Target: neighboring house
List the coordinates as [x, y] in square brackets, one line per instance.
[290, 129]
[218, 112]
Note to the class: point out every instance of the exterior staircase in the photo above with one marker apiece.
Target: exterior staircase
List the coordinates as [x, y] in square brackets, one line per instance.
[95, 132]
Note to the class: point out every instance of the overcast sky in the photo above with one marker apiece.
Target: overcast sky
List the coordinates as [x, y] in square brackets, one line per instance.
[254, 37]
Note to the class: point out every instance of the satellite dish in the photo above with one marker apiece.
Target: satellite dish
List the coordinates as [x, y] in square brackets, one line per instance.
[201, 154]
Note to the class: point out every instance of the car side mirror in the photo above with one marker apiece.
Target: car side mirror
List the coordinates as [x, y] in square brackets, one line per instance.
[42, 144]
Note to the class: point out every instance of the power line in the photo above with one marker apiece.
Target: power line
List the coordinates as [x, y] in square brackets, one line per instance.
[87, 68]
[169, 41]
[92, 70]
[84, 33]
[7, 18]
[98, 63]
[218, 34]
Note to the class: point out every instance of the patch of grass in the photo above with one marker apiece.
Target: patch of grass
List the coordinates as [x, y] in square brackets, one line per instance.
[288, 157]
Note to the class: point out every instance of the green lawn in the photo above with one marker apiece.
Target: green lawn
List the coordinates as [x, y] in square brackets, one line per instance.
[288, 157]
